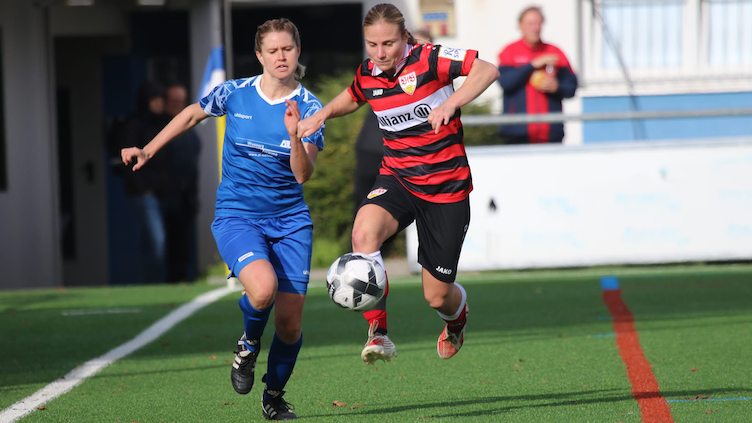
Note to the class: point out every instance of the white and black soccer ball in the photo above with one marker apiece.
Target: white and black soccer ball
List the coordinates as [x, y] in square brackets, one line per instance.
[356, 282]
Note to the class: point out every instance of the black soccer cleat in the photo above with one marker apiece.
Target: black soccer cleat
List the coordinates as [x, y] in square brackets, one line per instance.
[244, 366]
[276, 408]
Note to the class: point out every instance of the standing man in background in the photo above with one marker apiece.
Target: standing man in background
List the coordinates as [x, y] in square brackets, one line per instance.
[146, 191]
[535, 77]
[181, 206]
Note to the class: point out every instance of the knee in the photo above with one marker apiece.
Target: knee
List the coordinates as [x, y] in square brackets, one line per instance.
[364, 241]
[262, 298]
[435, 299]
[288, 330]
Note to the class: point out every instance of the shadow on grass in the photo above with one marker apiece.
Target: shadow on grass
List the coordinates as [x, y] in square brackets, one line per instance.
[545, 400]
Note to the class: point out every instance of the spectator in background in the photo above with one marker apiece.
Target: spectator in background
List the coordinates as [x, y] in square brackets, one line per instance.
[180, 206]
[369, 151]
[145, 190]
[535, 77]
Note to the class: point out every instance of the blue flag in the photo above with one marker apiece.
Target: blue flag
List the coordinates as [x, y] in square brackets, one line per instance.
[214, 73]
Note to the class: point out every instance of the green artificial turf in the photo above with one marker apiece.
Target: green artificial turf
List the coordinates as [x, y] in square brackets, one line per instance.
[539, 347]
[44, 334]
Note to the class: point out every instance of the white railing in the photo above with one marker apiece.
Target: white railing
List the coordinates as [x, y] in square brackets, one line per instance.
[481, 120]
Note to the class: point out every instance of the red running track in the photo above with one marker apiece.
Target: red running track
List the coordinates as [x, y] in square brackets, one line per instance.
[645, 389]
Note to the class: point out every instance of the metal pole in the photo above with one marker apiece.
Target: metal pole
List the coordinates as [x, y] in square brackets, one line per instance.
[227, 25]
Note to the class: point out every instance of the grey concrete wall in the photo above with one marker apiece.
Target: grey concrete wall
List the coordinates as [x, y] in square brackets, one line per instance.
[29, 217]
[205, 14]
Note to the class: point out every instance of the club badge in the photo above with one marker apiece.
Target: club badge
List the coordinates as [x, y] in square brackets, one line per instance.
[408, 82]
[376, 193]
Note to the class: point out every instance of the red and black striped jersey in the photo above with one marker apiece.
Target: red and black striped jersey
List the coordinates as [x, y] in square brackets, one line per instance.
[431, 166]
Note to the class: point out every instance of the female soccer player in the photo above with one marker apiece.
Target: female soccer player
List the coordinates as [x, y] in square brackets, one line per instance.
[262, 225]
[424, 175]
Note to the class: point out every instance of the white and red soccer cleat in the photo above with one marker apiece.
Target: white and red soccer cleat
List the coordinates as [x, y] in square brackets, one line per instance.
[450, 342]
[378, 346]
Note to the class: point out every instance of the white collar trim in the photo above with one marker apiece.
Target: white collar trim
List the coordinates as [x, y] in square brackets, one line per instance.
[257, 83]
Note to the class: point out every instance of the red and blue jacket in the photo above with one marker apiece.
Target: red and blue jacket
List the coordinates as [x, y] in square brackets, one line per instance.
[521, 98]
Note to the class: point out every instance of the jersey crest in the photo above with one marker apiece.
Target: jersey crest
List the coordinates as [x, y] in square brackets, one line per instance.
[375, 193]
[408, 82]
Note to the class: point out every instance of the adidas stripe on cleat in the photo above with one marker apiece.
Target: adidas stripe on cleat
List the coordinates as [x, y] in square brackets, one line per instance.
[275, 407]
[244, 366]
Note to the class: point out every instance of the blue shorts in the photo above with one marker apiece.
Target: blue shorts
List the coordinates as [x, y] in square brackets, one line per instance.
[286, 242]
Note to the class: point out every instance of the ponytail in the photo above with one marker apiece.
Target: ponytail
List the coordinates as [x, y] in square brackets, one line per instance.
[410, 39]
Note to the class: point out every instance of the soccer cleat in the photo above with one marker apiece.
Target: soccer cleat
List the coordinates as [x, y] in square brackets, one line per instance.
[450, 342]
[276, 408]
[244, 366]
[378, 346]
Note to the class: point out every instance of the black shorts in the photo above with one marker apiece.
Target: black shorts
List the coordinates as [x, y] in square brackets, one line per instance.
[441, 227]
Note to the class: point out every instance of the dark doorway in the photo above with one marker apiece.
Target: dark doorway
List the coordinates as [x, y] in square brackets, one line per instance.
[81, 155]
[331, 37]
[159, 52]
[97, 79]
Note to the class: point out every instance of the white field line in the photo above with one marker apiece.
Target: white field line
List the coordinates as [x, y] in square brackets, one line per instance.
[101, 311]
[92, 367]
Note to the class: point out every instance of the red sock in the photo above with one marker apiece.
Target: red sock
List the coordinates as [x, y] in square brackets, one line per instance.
[457, 324]
[376, 314]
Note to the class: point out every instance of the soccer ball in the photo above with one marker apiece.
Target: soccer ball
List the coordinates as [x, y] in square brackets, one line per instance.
[356, 282]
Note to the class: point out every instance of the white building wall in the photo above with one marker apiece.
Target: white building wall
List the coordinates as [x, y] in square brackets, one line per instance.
[29, 217]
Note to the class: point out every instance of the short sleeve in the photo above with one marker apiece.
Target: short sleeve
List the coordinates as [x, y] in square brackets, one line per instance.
[215, 103]
[450, 63]
[317, 138]
[355, 92]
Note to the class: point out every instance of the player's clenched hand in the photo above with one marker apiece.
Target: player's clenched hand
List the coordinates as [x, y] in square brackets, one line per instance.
[134, 153]
[292, 117]
[441, 116]
[309, 125]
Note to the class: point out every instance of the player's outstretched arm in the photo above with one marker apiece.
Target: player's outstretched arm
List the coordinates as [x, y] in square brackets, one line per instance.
[185, 120]
[482, 74]
[342, 105]
[302, 154]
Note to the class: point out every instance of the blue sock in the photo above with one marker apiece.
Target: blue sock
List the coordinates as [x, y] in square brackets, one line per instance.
[282, 358]
[255, 321]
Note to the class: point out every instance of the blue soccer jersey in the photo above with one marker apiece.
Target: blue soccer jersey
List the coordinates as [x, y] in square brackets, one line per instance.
[257, 180]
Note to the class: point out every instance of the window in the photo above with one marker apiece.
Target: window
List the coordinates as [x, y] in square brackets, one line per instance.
[729, 26]
[648, 34]
[3, 166]
[699, 44]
